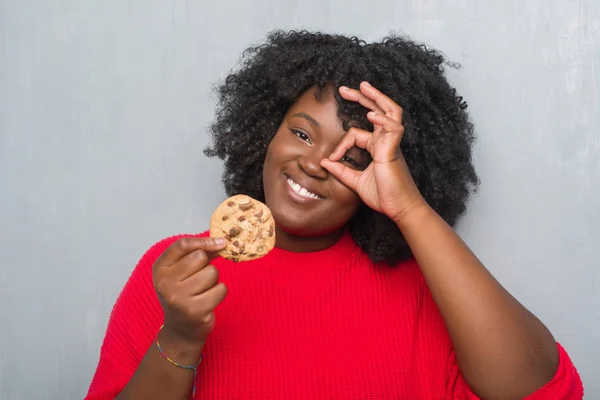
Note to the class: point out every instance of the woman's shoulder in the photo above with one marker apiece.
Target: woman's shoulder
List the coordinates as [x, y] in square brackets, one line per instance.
[405, 269]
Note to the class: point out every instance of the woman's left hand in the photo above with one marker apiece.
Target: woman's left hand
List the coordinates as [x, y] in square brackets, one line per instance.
[386, 185]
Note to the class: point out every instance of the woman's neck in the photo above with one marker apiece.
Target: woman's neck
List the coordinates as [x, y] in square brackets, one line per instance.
[302, 244]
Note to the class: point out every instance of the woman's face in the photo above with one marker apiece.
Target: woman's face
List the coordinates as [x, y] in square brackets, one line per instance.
[305, 199]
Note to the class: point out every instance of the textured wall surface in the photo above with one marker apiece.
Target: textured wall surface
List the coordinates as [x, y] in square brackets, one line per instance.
[103, 113]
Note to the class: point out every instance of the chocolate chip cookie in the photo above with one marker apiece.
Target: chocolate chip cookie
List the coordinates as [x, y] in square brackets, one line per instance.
[248, 226]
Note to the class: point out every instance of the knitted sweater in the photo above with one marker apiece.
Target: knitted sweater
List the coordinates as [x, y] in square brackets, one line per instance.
[321, 325]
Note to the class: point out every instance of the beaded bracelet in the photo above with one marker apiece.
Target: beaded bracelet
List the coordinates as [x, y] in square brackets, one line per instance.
[187, 367]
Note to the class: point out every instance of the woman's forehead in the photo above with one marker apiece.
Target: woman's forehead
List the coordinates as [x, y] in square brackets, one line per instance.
[319, 110]
[319, 103]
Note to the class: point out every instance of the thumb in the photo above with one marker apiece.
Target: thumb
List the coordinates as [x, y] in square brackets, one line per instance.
[187, 245]
[342, 173]
[213, 245]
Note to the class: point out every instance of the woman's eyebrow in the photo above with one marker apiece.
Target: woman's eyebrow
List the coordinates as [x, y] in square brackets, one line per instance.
[308, 118]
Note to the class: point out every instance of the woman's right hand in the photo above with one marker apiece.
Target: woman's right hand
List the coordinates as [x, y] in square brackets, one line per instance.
[188, 289]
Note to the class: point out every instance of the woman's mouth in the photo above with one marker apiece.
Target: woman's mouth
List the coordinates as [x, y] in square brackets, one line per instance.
[302, 191]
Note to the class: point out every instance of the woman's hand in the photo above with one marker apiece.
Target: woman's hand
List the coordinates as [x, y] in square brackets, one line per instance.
[386, 185]
[188, 288]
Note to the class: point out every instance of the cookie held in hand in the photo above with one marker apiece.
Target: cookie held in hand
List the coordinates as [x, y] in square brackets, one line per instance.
[248, 226]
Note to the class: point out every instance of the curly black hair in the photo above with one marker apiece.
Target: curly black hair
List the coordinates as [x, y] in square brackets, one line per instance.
[253, 100]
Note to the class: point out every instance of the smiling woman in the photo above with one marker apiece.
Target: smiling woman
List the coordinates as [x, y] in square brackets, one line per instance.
[273, 76]
[362, 152]
[305, 201]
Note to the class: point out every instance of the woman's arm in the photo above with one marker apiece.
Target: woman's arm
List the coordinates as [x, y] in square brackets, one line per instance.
[503, 350]
[156, 378]
[131, 366]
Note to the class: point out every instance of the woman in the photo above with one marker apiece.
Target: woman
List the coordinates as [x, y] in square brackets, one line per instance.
[363, 154]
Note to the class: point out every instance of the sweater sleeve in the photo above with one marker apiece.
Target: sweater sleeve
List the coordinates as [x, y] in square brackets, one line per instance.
[132, 327]
[566, 384]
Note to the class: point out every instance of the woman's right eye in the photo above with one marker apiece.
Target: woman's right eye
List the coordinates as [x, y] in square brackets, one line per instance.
[301, 135]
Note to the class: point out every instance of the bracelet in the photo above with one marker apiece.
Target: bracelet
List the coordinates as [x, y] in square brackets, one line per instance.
[187, 367]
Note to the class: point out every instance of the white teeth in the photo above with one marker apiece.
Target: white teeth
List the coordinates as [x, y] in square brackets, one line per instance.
[302, 191]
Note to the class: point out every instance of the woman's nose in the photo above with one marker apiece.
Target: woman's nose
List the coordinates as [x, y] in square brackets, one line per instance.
[310, 163]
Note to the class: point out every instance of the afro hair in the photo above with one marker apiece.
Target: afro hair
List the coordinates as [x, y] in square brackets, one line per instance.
[438, 136]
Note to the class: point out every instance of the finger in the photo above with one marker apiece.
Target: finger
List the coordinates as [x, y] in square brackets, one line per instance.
[202, 280]
[389, 106]
[388, 124]
[342, 173]
[357, 96]
[207, 301]
[354, 137]
[386, 140]
[187, 245]
[191, 264]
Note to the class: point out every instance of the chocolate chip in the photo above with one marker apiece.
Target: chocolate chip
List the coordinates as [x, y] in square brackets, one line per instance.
[230, 204]
[245, 206]
[233, 232]
[242, 218]
[240, 247]
[271, 231]
[225, 217]
[259, 215]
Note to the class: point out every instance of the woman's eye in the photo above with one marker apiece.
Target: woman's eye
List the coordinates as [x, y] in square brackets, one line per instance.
[354, 164]
[349, 160]
[301, 135]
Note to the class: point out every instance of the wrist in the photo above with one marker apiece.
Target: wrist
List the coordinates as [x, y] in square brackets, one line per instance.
[412, 214]
[180, 349]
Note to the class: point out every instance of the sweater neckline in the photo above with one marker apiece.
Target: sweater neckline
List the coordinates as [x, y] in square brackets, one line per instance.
[339, 251]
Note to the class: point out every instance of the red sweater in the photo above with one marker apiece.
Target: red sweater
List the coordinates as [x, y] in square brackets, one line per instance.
[322, 325]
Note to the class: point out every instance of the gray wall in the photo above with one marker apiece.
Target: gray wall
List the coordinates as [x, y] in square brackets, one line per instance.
[103, 113]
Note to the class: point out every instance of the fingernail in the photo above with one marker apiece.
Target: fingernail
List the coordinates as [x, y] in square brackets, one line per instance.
[220, 241]
[373, 114]
[367, 83]
[343, 88]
